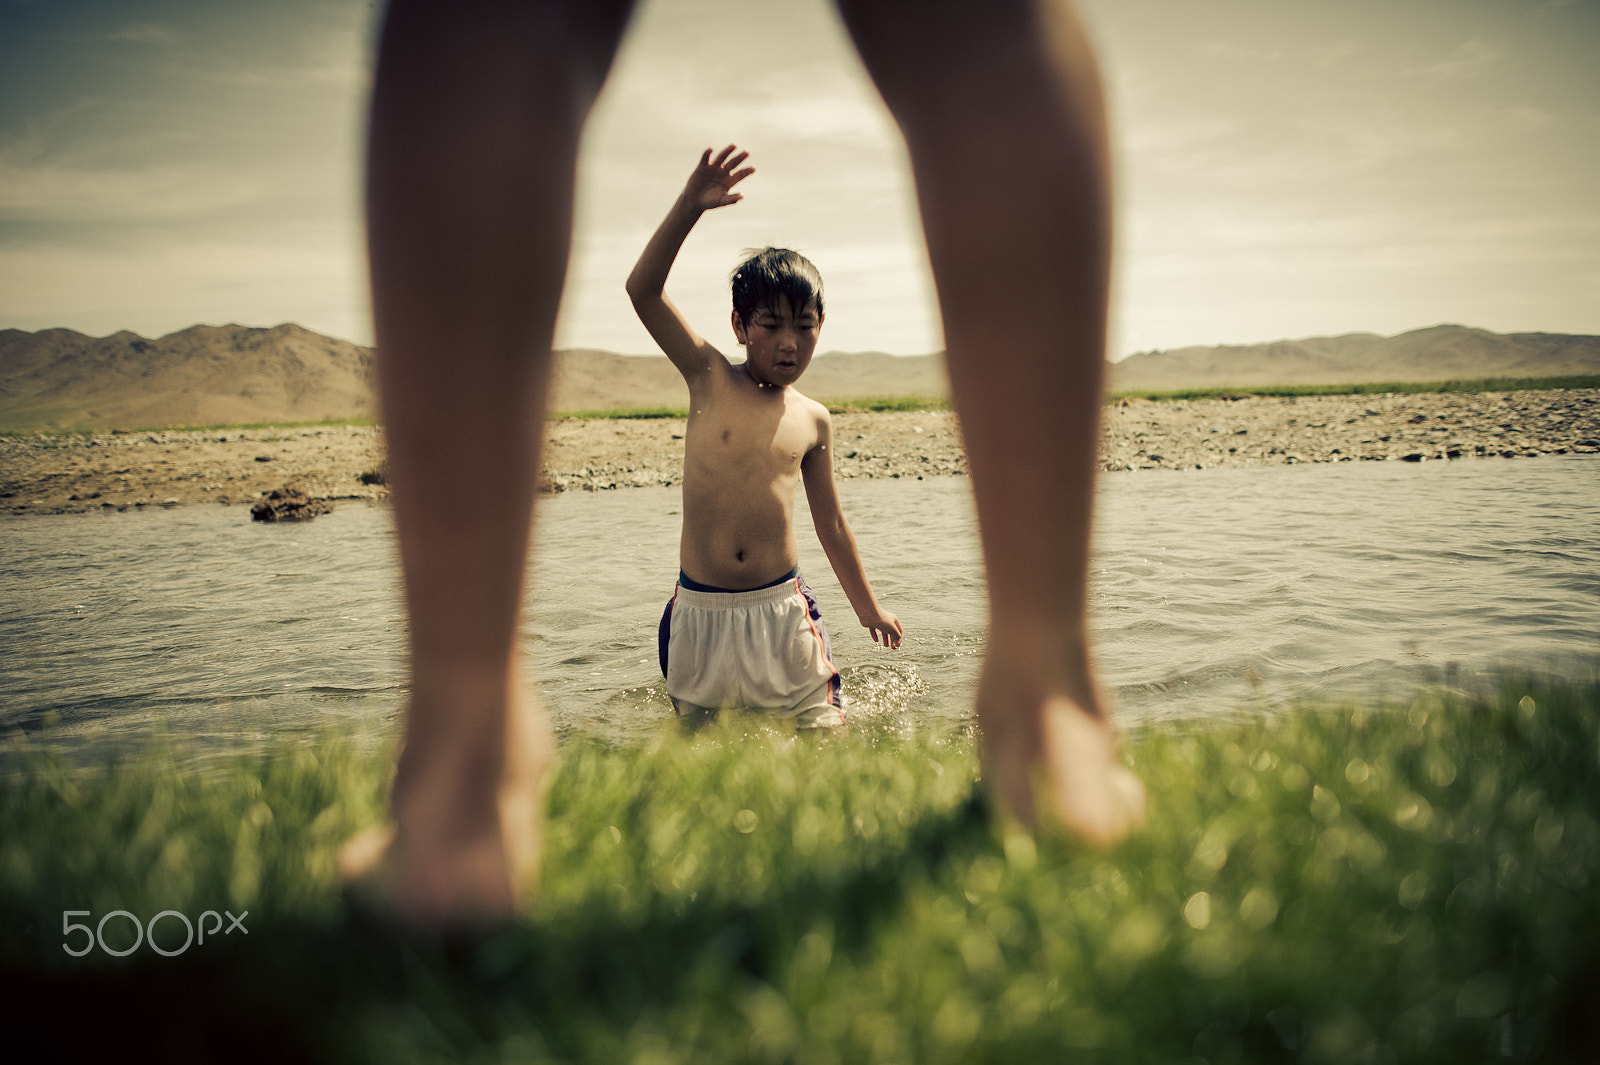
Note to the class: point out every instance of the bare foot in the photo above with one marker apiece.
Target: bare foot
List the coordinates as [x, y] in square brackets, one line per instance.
[1050, 759]
[468, 829]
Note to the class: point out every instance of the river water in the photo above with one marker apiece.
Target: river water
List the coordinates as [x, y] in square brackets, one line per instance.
[1214, 592]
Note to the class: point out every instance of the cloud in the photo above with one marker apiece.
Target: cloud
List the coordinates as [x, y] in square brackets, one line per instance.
[146, 33]
[1233, 51]
[1283, 169]
[301, 273]
[1470, 59]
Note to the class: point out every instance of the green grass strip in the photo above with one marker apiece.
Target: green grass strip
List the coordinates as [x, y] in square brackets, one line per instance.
[1409, 884]
[622, 412]
[858, 405]
[880, 404]
[323, 423]
[886, 404]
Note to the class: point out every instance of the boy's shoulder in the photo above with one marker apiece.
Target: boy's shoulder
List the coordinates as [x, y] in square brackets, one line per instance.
[819, 416]
[810, 406]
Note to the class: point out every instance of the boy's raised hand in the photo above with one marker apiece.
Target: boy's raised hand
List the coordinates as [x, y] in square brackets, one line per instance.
[711, 184]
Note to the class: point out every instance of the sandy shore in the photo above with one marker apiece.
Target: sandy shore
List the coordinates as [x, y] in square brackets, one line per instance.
[74, 474]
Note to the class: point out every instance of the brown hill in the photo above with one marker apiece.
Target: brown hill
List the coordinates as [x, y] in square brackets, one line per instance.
[203, 375]
[1437, 353]
[599, 380]
[57, 379]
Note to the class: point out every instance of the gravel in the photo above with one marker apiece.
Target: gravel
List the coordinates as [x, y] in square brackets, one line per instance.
[80, 473]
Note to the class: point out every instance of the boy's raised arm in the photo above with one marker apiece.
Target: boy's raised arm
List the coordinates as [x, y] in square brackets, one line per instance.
[709, 187]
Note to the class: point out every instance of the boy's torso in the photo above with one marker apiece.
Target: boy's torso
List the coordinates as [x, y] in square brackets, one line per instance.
[743, 450]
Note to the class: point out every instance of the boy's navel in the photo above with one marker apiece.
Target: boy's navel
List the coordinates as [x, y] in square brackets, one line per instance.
[727, 436]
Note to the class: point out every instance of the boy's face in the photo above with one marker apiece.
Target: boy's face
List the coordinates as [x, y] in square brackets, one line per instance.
[778, 341]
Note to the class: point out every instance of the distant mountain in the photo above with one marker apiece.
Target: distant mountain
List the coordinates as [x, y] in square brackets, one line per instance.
[203, 375]
[1438, 353]
[599, 380]
[57, 379]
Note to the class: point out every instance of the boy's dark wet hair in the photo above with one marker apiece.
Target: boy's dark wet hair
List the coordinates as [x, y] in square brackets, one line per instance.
[770, 273]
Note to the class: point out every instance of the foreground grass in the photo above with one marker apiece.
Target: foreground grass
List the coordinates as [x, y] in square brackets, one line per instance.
[1406, 885]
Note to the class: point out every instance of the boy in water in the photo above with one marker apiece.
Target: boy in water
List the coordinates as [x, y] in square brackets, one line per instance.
[743, 628]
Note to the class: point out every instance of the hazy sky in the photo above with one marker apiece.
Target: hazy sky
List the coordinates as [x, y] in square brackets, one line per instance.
[1285, 167]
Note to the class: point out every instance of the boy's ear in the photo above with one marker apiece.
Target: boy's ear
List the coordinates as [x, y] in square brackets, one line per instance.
[738, 329]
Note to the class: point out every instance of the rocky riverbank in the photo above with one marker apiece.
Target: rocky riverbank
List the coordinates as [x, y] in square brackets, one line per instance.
[78, 473]
[1256, 430]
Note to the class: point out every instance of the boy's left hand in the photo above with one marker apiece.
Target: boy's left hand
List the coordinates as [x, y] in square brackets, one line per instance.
[885, 628]
[711, 184]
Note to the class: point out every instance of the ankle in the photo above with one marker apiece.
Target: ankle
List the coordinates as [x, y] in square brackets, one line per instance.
[457, 778]
[1019, 682]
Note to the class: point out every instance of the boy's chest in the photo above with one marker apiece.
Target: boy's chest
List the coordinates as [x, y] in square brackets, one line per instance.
[769, 437]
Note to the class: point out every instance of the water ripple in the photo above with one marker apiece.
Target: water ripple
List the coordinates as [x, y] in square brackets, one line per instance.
[1211, 591]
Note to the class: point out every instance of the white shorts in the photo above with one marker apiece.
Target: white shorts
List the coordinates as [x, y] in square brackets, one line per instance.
[763, 650]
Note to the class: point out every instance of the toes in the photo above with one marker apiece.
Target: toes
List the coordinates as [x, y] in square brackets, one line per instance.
[1129, 796]
[363, 854]
[1070, 782]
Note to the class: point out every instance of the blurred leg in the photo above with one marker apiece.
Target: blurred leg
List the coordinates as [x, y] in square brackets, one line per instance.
[1002, 111]
[476, 115]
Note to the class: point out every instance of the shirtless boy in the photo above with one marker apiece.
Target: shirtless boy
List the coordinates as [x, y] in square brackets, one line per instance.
[742, 628]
